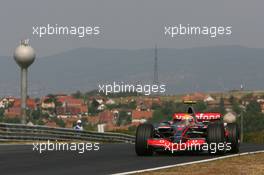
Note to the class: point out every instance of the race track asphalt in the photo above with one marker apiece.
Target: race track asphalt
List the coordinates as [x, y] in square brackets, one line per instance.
[111, 158]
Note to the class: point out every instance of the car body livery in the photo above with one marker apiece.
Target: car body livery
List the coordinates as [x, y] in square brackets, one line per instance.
[188, 131]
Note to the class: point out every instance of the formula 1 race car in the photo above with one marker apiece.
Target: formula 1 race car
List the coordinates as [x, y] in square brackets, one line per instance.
[188, 132]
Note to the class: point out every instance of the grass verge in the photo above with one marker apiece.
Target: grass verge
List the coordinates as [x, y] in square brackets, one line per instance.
[241, 165]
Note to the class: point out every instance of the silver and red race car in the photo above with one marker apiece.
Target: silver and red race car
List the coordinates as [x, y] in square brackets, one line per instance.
[189, 131]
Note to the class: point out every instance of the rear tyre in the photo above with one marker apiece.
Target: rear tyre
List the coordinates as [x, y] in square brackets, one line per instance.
[216, 138]
[233, 137]
[144, 132]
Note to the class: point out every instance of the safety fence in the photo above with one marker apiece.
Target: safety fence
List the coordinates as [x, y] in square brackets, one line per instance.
[19, 132]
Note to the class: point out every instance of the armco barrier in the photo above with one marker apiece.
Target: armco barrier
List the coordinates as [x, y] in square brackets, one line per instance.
[18, 132]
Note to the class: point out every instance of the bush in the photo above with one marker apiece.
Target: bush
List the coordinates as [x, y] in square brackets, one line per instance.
[89, 127]
[158, 116]
[39, 122]
[60, 122]
[11, 120]
[254, 137]
[124, 118]
[129, 132]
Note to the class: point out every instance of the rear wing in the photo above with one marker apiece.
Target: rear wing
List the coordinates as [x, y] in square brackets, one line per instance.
[189, 102]
[199, 116]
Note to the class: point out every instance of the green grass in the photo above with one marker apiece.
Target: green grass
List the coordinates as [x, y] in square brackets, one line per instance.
[254, 137]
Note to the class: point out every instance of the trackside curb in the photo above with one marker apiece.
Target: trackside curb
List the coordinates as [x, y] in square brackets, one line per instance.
[188, 163]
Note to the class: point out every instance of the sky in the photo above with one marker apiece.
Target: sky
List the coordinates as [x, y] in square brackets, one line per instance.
[129, 24]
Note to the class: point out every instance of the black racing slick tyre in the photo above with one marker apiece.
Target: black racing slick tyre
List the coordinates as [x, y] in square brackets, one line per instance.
[233, 137]
[144, 132]
[216, 138]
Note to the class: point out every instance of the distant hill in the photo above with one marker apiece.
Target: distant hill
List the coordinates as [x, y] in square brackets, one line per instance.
[182, 70]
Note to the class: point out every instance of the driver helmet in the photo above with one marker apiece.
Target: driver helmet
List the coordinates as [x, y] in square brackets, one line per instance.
[190, 111]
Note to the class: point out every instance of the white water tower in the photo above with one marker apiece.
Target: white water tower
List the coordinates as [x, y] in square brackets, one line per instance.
[24, 56]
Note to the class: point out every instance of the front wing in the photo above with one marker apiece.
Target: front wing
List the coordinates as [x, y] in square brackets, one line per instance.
[166, 145]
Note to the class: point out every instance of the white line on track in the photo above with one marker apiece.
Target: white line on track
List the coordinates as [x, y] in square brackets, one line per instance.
[188, 163]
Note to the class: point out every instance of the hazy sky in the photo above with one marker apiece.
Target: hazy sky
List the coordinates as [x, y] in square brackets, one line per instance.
[129, 24]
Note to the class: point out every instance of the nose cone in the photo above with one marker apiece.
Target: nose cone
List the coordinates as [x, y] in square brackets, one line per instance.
[24, 55]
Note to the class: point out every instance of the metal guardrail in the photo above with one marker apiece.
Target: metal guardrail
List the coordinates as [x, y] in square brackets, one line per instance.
[18, 132]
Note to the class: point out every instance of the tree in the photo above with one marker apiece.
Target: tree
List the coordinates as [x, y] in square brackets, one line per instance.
[60, 122]
[53, 98]
[232, 99]
[253, 117]
[92, 107]
[132, 105]
[236, 108]
[123, 118]
[40, 122]
[2, 111]
[36, 114]
[200, 106]
[235, 105]
[253, 107]
[155, 106]
[222, 106]
[168, 108]
[179, 107]
[12, 120]
[112, 106]
[157, 117]
[77, 94]
[247, 97]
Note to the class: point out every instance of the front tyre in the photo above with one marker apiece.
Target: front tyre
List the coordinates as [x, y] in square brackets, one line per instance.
[233, 137]
[216, 138]
[144, 132]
